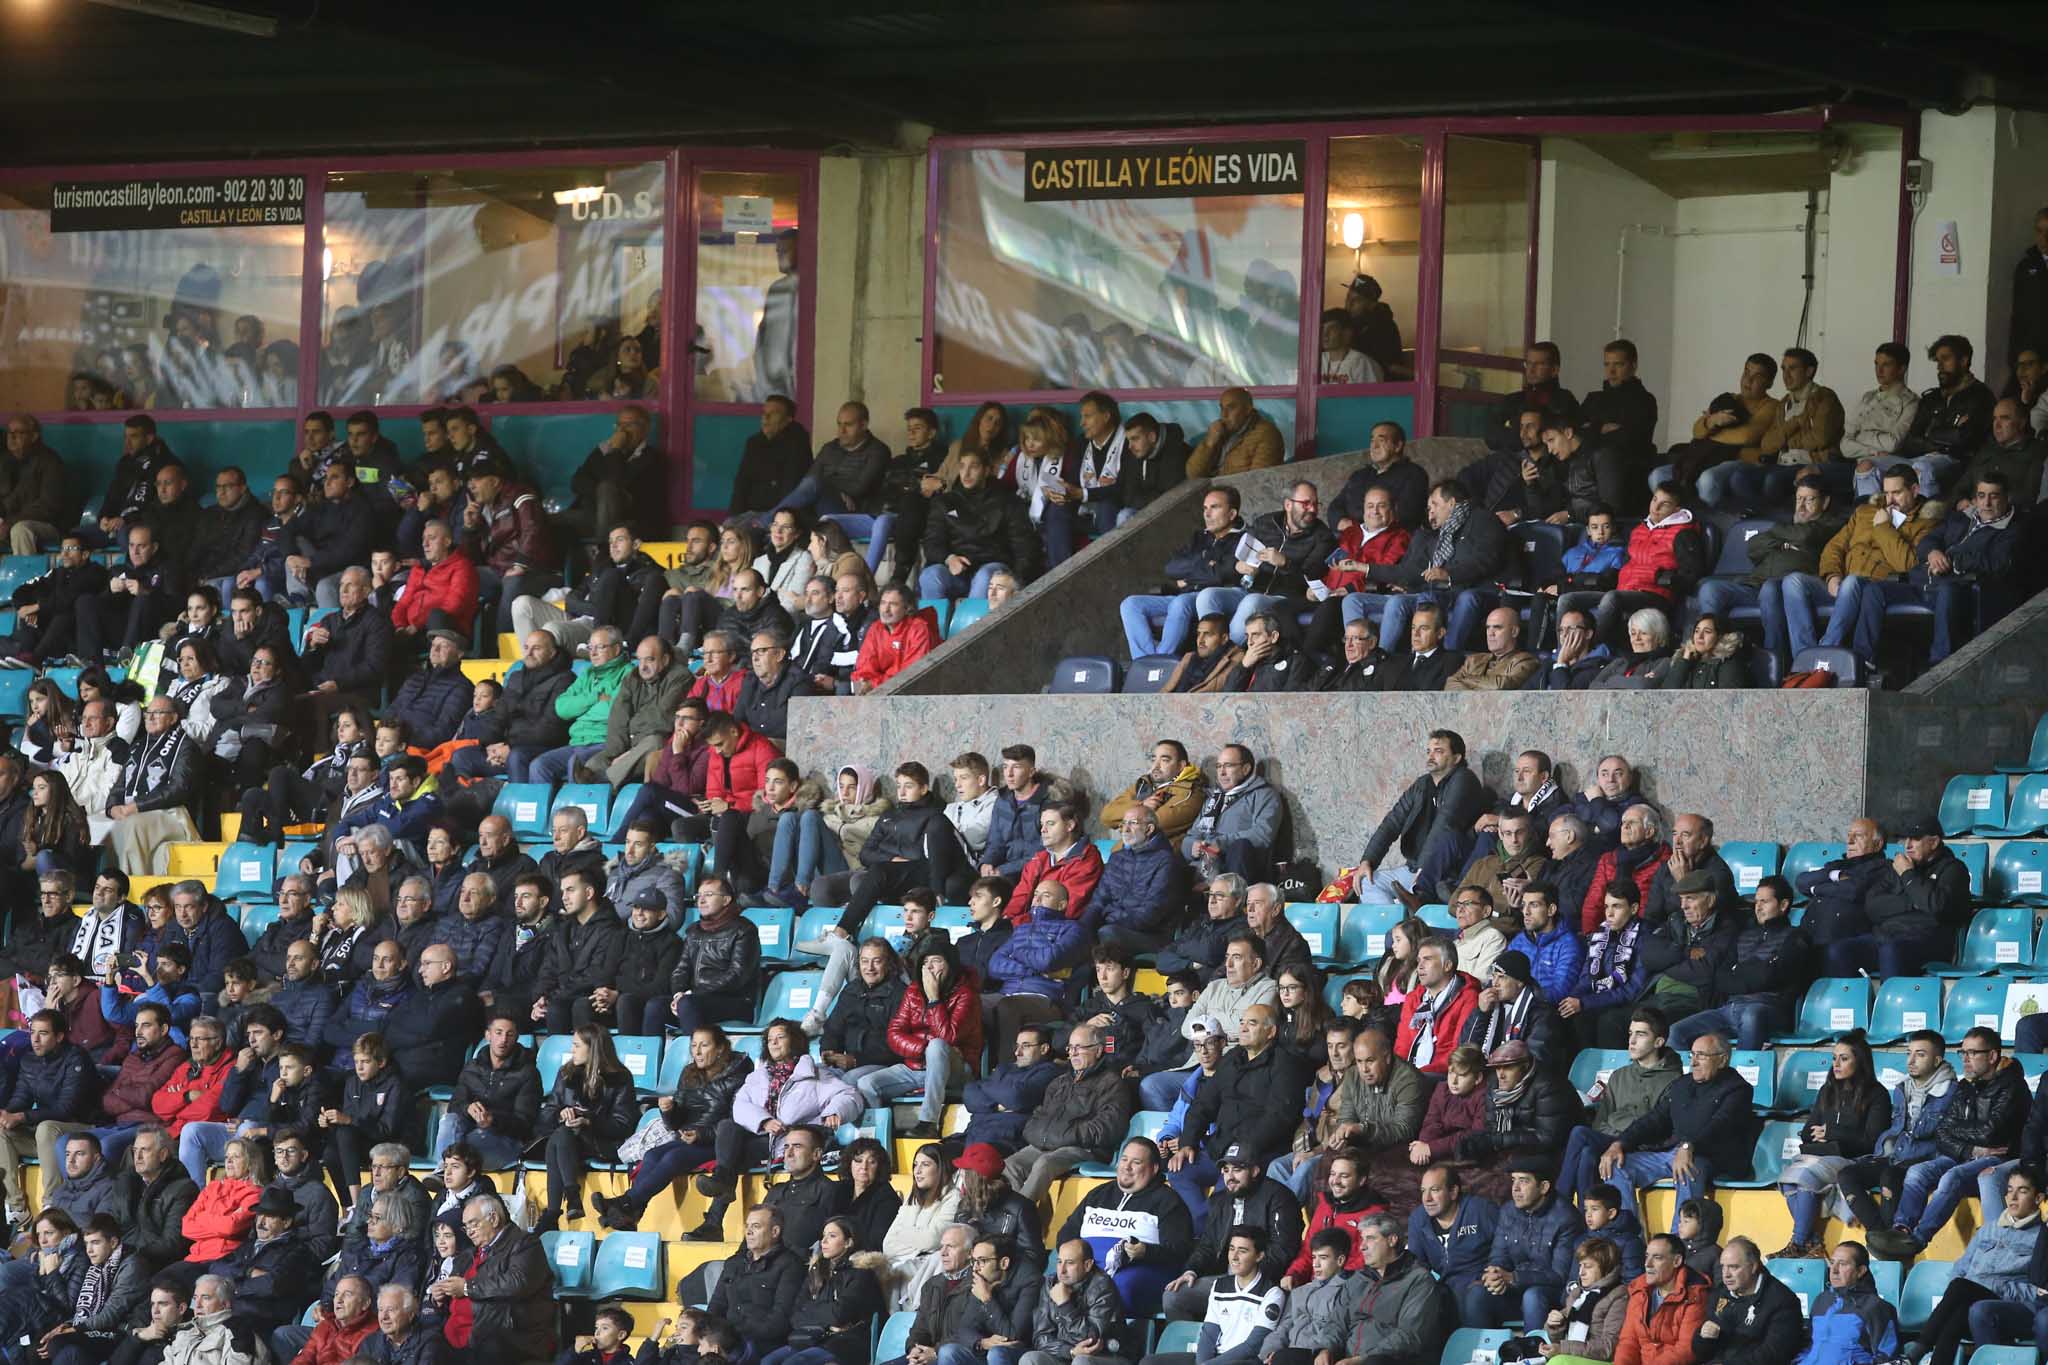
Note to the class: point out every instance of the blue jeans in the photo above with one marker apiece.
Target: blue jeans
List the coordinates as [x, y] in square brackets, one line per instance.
[499, 1153]
[1720, 596]
[1931, 469]
[1758, 485]
[1859, 612]
[1749, 1022]
[1579, 1171]
[1478, 1307]
[1297, 1171]
[504, 590]
[804, 848]
[1642, 1169]
[115, 1140]
[1158, 624]
[1933, 1188]
[1791, 611]
[1715, 482]
[941, 1063]
[1372, 606]
[1953, 604]
[939, 581]
[1159, 1090]
[559, 765]
[1192, 1183]
[1240, 606]
[1467, 614]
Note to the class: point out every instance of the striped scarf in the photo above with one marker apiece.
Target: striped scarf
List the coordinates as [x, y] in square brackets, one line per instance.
[93, 1290]
[1447, 536]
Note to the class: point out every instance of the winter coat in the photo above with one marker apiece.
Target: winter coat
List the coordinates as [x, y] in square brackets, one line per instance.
[859, 1022]
[1141, 888]
[1176, 1227]
[1092, 1311]
[1770, 962]
[1924, 903]
[1726, 667]
[1013, 837]
[1316, 1316]
[805, 1205]
[738, 779]
[1252, 1101]
[1714, 1118]
[1853, 1326]
[1597, 1312]
[1457, 1258]
[429, 1030]
[999, 1105]
[1835, 893]
[811, 1093]
[756, 1295]
[1613, 973]
[1675, 974]
[1907, 1142]
[1428, 809]
[1539, 1119]
[1251, 811]
[835, 1316]
[1444, 1028]
[887, 650]
[1401, 1313]
[1538, 1245]
[1987, 1113]
[582, 955]
[956, 1019]
[1268, 1205]
[1044, 943]
[702, 1104]
[1869, 546]
[1390, 1114]
[1645, 867]
[723, 959]
[512, 1294]
[169, 1105]
[613, 1109]
[510, 1093]
[525, 716]
[227, 1339]
[1998, 1258]
[1665, 1337]
[1556, 958]
[432, 702]
[586, 703]
[64, 1087]
[514, 532]
[220, 1218]
[985, 525]
[1761, 1328]
[1180, 800]
[1323, 1214]
[272, 1279]
[1090, 1110]
[642, 713]
[1078, 869]
[127, 1097]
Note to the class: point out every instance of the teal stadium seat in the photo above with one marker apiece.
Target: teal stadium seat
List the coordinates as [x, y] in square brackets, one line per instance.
[1776, 1145]
[525, 804]
[789, 996]
[1974, 1002]
[1750, 862]
[1178, 1337]
[1805, 1278]
[1364, 934]
[966, 611]
[1146, 1123]
[614, 830]
[258, 916]
[245, 873]
[1925, 1284]
[640, 1055]
[2019, 873]
[894, 1340]
[2027, 813]
[570, 1255]
[2037, 752]
[551, 1057]
[629, 1266]
[1316, 922]
[1972, 804]
[1593, 1066]
[1474, 1346]
[1806, 857]
[1998, 940]
[1831, 1005]
[942, 609]
[777, 926]
[1801, 1074]
[1905, 1004]
[595, 799]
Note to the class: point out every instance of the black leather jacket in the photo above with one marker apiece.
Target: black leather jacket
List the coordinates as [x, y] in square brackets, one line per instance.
[703, 1105]
[721, 961]
[613, 1109]
[1988, 1113]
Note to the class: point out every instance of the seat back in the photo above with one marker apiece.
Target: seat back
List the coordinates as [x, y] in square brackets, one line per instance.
[1316, 922]
[1178, 1337]
[246, 872]
[2037, 752]
[1806, 1279]
[551, 1057]
[1474, 1346]
[895, 1338]
[594, 799]
[1593, 1066]
[525, 804]
[1835, 1004]
[1363, 936]
[1905, 1004]
[811, 927]
[640, 1055]
[1149, 673]
[2017, 873]
[614, 830]
[1083, 673]
[777, 926]
[886, 922]
[629, 1266]
[1925, 1283]
[1972, 802]
[14, 692]
[942, 611]
[966, 612]
[1542, 552]
[1750, 862]
[569, 1256]
[1333, 989]
[2027, 812]
[1976, 860]
[1807, 856]
[789, 996]
[1733, 561]
[675, 1057]
[1974, 1002]
[258, 916]
[1847, 668]
[1801, 1074]
[1998, 940]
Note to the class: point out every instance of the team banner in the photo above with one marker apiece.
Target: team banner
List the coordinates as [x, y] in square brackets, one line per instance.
[202, 201]
[1164, 170]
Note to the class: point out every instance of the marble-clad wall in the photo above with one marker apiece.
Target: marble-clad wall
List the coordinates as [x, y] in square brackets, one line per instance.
[1779, 765]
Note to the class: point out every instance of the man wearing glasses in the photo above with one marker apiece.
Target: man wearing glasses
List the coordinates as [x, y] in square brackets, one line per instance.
[509, 1284]
[227, 532]
[1980, 1128]
[1080, 1119]
[1710, 1107]
[1276, 556]
[1580, 656]
[150, 802]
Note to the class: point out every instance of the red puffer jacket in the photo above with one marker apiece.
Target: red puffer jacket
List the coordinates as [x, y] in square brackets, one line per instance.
[1387, 547]
[887, 650]
[449, 586]
[957, 1019]
[738, 779]
[1079, 872]
[171, 1105]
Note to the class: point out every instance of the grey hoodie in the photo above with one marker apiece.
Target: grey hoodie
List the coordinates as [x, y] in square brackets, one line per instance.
[1316, 1316]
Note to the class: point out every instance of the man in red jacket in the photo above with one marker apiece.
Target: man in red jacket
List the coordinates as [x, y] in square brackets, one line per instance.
[1435, 1010]
[444, 586]
[937, 1033]
[149, 1066]
[1067, 858]
[191, 1094]
[902, 634]
[734, 776]
[1638, 857]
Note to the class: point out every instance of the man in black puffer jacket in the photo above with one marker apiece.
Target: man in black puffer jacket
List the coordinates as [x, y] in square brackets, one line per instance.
[758, 1290]
[497, 1098]
[1699, 1127]
[1981, 1127]
[718, 975]
[523, 725]
[588, 939]
[1919, 901]
[646, 965]
[430, 1028]
[1756, 988]
[857, 1029]
[975, 526]
[1248, 1105]
[912, 845]
[433, 700]
[1752, 1318]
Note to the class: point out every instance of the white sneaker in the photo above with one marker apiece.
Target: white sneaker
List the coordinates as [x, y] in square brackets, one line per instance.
[555, 597]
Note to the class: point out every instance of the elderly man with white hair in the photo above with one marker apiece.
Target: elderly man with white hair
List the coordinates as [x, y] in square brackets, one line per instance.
[510, 1287]
[400, 1340]
[214, 1335]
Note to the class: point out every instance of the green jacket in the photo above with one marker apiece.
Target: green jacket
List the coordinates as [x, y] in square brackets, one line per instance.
[587, 703]
[1632, 1092]
[645, 710]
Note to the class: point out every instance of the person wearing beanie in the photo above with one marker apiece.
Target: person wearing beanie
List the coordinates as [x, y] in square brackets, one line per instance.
[1513, 1009]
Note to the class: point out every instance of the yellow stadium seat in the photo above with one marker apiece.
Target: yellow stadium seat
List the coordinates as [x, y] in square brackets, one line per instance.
[477, 670]
[508, 645]
[196, 860]
[231, 827]
[1149, 981]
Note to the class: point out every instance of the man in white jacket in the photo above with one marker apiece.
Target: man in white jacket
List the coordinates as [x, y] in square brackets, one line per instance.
[92, 764]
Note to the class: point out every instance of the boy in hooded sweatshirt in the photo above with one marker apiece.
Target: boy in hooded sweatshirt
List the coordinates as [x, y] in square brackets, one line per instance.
[1607, 1219]
[1699, 1228]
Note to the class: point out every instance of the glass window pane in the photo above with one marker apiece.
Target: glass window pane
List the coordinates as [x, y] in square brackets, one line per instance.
[1119, 293]
[746, 285]
[1487, 185]
[1373, 229]
[512, 284]
[161, 319]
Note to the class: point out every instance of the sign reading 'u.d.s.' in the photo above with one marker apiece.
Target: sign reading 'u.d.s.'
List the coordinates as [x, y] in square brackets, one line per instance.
[1164, 170]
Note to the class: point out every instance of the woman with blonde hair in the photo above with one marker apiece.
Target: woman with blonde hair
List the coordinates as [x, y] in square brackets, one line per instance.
[345, 936]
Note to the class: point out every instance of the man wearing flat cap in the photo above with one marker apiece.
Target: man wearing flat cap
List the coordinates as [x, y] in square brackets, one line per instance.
[1683, 954]
[1756, 988]
[1512, 1009]
[433, 699]
[274, 1273]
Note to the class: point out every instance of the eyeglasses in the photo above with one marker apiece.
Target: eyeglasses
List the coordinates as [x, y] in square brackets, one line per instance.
[1979, 1051]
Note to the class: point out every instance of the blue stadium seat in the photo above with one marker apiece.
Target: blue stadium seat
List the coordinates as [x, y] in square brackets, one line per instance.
[1890, 1277]
[811, 926]
[551, 1057]
[777, 926]
[1437, 915]
[1808, 856]
[641, 1055]
[1972, 803]
[1974, 1002]
[1804, 1277]
[2003, 1355]
[2037, 752]
[1778, 1144]
[2027, 812]
[1083, 673]
[1316, 922]
[1832, 1005]
[956, 920]
[1595, 1065]
[1468, 1344]
[1178, 1337]
[258, 916]
[595, 799]
[1751, 863]
[1801, 1074]
[1757, 1068]
[675, 1058]
[894, 1340]
[878, 1123]
[1905, 1004]
[1364, 935]
[1146, 1123]
[1976, 859]
[1543, 547]
[789, 996]
[570, 1255]
[245, 873]
[1847, 668]
[66, 679]
[1996, 941]
[16, 570]
[14, 692]
[966, 612]
[289, 856]
[1333, 988]
[885, 921]
[1925, 1284]
[614, 830]
[525, 804]
[629, 1267]
[2019, 873]
[1149, 674]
